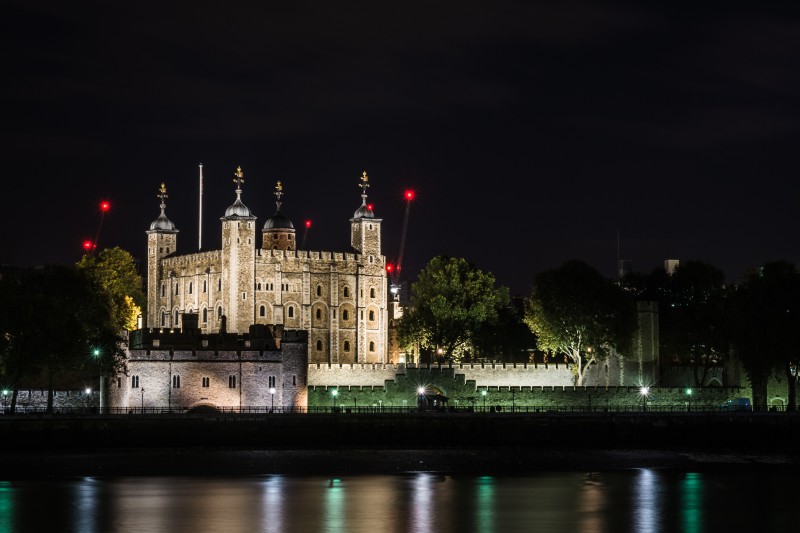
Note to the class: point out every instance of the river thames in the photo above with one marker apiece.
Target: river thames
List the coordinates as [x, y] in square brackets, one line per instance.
[642, 500]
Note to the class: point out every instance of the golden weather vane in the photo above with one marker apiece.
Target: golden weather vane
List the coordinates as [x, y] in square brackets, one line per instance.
[278, 192]
[239, 179]
[162, 192]
[364, 182]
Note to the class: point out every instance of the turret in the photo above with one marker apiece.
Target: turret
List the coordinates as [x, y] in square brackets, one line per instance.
[161, 242]
[278, 232]
[238, 263]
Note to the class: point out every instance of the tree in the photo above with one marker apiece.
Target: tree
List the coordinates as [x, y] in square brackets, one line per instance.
[55, 320]
[450, 302]
[575, 311]
[765, 319]
[115, 270]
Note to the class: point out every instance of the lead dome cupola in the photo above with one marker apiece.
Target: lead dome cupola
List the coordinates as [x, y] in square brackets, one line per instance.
[238, 209]
[162, 223]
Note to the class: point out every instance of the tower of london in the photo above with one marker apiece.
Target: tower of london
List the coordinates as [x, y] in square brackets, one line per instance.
[338, 298]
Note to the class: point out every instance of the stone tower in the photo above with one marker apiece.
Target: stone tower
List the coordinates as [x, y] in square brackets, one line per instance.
[238, 262]
[161, 242]
[371, 294]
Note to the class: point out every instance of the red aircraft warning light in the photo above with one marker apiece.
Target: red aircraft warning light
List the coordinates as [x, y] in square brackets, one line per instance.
[308, 223]
[409, 194]
[105, 205]
[370, 206]
[88, 245]
[389, 267]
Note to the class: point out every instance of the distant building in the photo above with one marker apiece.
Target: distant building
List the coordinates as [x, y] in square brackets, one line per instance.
[670, 265]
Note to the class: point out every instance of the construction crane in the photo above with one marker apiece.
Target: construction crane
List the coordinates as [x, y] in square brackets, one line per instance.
[393, 269]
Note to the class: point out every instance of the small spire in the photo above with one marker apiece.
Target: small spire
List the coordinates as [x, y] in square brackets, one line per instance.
[239, 179]
[278, 193]
[364, 185]
[162, 195]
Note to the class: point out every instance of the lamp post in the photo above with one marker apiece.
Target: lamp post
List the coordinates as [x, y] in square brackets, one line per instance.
[644, 391]
[689, 399]
[272, 396]
[334, 394]
[88, 397]
[142, 400]
[483, 393]
[5, 399]
[420, 396]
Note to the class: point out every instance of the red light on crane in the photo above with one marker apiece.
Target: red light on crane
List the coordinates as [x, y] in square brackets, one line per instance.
[88, 245]
[389, 267]
[105, 206]
[409, 194]
[370, 206]
[308, 223]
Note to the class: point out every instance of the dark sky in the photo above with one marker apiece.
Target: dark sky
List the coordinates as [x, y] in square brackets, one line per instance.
[532, 132]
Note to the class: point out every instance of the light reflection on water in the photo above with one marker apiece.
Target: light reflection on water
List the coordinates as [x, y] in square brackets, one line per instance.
[642, 500]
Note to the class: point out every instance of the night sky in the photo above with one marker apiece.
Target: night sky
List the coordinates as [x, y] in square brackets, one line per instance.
[532, 132]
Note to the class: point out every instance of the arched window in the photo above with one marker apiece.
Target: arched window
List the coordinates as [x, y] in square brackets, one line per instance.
[176, 318]
[291, 311]
[319, 314]
[258, 287]
[163, 290]
[345, 315]
[262, 311]
[319, 345]
[346, 346]
[219, 312]
[176, 289]
[319, 290]
[372, 293]
[372, 315]
[163, 319]
[346, 292]
[205, 315]
[371, 346]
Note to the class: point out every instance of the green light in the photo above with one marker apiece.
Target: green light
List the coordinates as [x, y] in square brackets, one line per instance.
[5, 392]
[688, 392]
[335, 392]
[483, 392]
[96, 352]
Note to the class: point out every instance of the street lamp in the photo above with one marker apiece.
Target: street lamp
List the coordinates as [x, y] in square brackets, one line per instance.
[5, 399]
[689, 392]
[420, 396]
[483, 393]
[334, 393]
[272, 396]
[644, 391]
[142, 400]
[88, 397]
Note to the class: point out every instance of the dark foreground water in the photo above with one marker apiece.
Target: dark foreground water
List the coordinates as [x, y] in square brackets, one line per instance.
[642, 500]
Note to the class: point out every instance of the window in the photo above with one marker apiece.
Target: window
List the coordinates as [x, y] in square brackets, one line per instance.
[334, 312]
[163, 319]
[258, 286]
[271, 382]
[205, 285]
[176, 289]
[134, 382]
[319, 290]
[205, 315]
[319, 345]
[119, 383]
[291, 311]
[275, 236]
[345, 314]
[219, 312]
[167, 249]
[371, 346]
[205, 382]
[190, 287]
[371, 259]
[346, 292]
[219, 284]
[244, 296]
[163, 290]
[262, 311]
[294, 379]
[372, 293]
[176, 318]
[231, 382]
[372, 315]
[319, 314]
[176, 382]
[346, 346]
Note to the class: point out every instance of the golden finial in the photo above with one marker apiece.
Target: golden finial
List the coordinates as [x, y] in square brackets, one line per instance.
[162, 192]
[279, 187]
[364, 183]
[239, 179]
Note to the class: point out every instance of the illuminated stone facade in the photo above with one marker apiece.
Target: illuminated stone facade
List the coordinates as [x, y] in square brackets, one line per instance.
[339, 298]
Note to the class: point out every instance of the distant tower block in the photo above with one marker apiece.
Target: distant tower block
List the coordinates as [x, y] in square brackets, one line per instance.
[624, 267]
[670, 265]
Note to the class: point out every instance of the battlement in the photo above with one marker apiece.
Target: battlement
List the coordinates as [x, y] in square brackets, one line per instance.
[192, 260]
[306, 255]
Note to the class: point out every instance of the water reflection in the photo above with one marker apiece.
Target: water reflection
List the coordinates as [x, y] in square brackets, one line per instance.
[606, 502]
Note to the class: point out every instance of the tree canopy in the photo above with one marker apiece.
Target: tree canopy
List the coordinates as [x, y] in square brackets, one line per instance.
[451, 302]
[114, 269]
[574, 311]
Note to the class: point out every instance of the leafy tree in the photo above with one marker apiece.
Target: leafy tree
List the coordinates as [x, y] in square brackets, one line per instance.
[115, 270]
[52, 322]
[506, 339]
[450, 302]
[574, 311]
[765, 319]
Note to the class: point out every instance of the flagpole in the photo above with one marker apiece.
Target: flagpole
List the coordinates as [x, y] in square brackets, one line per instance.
[200, 216]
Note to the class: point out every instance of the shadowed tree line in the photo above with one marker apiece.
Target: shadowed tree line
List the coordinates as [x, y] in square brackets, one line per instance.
[62, 320]
[574, 314]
